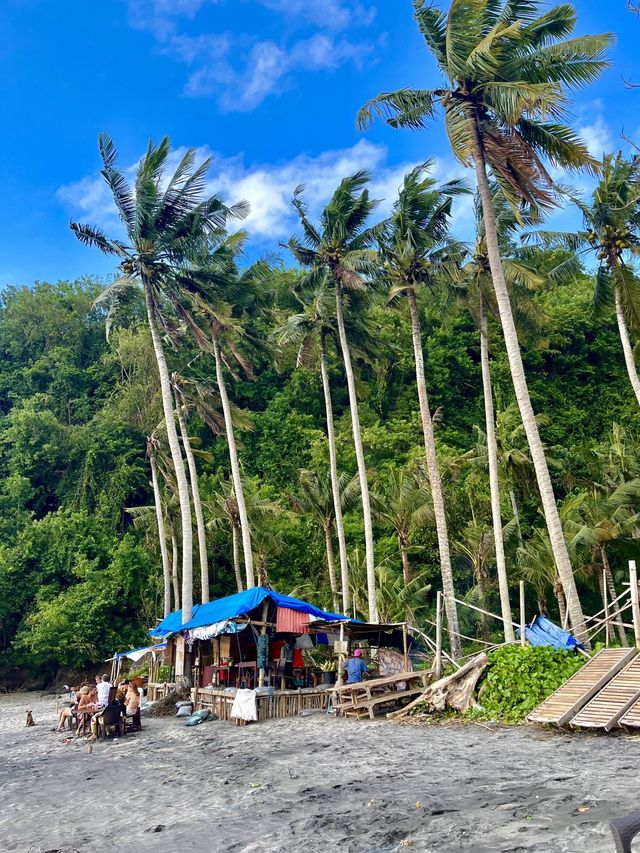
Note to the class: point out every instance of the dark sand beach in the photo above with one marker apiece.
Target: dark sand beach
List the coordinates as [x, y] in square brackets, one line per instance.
[311, 785]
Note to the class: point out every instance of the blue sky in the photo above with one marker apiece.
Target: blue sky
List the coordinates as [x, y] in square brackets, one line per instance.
[270, 88]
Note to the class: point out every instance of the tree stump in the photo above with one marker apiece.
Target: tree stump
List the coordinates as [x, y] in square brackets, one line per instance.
[455, 691]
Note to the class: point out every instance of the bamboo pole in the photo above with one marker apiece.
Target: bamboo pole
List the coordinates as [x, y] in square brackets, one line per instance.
[635, 606]
[481, 610]
[523, 639]
[404, 647]
[438, 660]
[606, 607]
[263, 630]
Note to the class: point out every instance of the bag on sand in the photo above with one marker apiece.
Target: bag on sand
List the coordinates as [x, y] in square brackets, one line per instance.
[200, 717]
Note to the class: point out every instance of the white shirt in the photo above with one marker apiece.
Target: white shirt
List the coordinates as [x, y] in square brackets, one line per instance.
[103, 688]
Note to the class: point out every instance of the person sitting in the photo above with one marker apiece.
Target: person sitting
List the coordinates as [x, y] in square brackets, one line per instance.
[66, 713]
[103, 687]
[355, 668]
[132, 700]
[86, 705]
[121, 692]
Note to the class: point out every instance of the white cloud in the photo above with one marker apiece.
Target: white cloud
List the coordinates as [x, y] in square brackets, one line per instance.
[597, 137]
[239, 69]
[269, 187]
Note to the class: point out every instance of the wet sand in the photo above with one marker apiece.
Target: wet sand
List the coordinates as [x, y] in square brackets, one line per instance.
[312, 785]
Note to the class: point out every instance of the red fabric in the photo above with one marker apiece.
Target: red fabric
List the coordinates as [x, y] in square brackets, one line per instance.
[298, 660]
[291, 621]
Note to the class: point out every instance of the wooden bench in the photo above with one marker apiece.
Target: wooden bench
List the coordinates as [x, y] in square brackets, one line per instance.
[363, 698]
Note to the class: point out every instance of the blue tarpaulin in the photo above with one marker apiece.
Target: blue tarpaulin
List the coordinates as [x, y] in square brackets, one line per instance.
[543, 632]
[239, 604]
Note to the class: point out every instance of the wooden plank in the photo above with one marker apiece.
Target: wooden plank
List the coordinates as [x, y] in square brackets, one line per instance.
[563, 705]
[613, 701]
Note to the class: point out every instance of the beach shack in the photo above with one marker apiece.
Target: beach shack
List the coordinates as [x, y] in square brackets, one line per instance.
[236, 643]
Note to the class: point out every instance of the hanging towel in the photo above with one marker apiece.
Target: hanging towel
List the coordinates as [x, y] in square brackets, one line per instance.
[262, 644]
[244, 705]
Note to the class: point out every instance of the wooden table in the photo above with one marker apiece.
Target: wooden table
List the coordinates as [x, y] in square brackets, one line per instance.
[362, 699]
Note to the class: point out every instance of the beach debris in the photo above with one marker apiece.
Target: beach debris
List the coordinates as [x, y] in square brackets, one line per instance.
[157, 828]
[166, 707]
[89, 749]
[30, 720]
[454, 691]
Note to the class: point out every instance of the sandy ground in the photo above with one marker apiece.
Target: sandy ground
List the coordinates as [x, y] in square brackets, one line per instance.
[311, 785]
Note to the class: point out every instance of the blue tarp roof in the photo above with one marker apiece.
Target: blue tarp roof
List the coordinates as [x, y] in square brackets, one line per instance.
[237, 605]
[543, 632]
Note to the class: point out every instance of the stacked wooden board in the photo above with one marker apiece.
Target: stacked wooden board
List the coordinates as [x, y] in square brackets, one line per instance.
[562, 706]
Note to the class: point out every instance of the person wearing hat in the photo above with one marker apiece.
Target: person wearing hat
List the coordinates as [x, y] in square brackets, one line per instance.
[355, 668]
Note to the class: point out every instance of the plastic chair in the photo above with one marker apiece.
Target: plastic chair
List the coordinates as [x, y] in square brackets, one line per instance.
[110, 720]
[624, 830]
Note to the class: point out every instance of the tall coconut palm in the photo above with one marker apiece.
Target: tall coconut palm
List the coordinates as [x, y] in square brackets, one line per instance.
[475, 291]
[195, 490]
[315, 324]
[162, 536]
[166, 223]
[612, 233]
[417, 253]
[316, 498]
[507, 65]
[341, 245]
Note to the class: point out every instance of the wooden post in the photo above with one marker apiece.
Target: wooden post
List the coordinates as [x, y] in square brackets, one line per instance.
[438, 660]
[635, 606]
[605, 601]
[263, 630]
[404, 647]
[340, 657]
[523, 640]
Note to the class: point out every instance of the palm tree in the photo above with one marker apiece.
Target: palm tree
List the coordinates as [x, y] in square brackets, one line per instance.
[195, 490]
[507, 65]
[612, 233]
[341, 246]
[162, 536]
[316, 500]
[403, 504]
[166, 222]
[475, 291]
[315, 324]
[222, 510]
[417, 253]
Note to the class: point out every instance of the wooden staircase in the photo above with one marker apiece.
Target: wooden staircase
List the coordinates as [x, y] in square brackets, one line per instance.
[562, 706]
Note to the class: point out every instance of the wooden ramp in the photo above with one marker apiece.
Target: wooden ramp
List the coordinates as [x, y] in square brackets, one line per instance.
[613, 701]
[563, 705]
[631, 718]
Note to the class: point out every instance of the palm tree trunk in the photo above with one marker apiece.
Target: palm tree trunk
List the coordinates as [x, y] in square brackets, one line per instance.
[435, 482]
[516, 516]
[627, 349]
[162, 536]
[622, 634]
[335, 482]
[235, 467]
[331, 567]
[545, 487]
[176, 457]
[174, 571]
[235, 548]
[562, 602]
[494, 482]
[362, 468]
[403, 545]
[482, 595]
[197, 505]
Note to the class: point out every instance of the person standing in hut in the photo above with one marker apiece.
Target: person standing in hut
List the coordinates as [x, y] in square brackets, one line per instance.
[286, 660]
[355, 668]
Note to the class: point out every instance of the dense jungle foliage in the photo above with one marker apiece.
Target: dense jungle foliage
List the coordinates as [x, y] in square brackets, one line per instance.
[80, 570]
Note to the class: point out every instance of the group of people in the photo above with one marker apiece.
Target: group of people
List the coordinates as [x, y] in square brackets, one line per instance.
[91, 700]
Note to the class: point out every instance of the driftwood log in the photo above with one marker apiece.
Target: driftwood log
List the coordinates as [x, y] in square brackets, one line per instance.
[455, 691]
